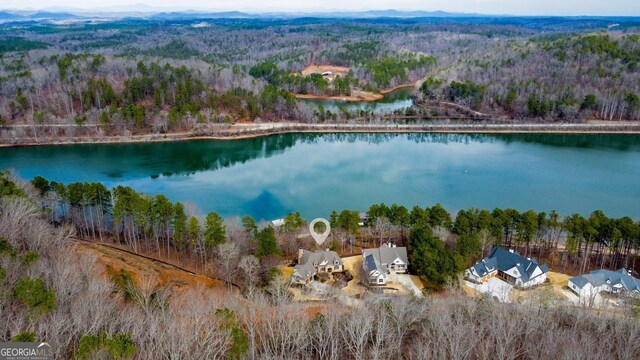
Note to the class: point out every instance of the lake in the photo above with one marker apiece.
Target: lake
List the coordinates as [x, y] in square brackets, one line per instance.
[271, 176]
[396, 100]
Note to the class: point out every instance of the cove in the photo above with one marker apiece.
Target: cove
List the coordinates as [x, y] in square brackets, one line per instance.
[396, 100]
[314, 174]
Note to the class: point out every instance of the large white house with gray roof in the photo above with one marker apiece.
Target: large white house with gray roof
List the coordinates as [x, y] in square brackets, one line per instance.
[387, 259]
[510, 266]
[615, 282]
[311, 263]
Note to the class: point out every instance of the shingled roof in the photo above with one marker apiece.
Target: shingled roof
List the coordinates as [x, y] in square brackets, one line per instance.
[504, 260]
[485, 266]
[386, 254]
[372, 264]
[305, 271]
[318, 257]
[612, 278]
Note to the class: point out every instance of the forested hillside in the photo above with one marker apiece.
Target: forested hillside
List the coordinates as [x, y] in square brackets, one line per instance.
[137, 76]
[51, 291]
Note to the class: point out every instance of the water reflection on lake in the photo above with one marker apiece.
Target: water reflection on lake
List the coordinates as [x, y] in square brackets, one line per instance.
[396, 100]
[316, 173]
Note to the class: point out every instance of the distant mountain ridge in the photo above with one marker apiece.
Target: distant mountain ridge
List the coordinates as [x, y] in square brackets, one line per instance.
[66, 14]
[141, 12]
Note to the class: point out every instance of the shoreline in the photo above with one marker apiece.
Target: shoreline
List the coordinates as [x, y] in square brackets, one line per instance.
[366, 96]
[371, 97]
[247, 131]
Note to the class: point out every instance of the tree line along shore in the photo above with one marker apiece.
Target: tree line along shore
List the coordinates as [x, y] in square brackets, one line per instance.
[71, 134]
[54, 292]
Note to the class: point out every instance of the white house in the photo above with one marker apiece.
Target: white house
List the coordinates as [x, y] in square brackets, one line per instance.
[615, 282]
[380, 262]
[311, 263]
[510, 266]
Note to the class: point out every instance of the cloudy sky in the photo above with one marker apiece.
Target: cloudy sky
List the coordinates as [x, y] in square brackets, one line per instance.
[513, 7]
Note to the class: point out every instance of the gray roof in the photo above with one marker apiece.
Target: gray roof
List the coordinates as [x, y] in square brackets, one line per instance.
[305, 271]
[612, 278]
[372, 264]
[386, 254]
[317, 257]
[505, 260]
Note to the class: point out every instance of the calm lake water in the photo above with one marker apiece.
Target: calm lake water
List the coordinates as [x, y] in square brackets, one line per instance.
[317, 173]
[396, 100]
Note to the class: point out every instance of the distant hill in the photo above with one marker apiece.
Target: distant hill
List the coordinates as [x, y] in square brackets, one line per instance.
[5, 15]
[393, 14]
[40, 15]
[53, 15]
[71, 14]
[148, 13]
[187, 15]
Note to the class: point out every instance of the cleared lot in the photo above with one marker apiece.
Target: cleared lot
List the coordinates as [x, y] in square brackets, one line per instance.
[494, 287]
[405, 284]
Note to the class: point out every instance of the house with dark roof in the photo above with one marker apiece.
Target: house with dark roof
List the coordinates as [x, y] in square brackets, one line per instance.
[614, 282]
[510, 266]
[312, 263]
[387, 259]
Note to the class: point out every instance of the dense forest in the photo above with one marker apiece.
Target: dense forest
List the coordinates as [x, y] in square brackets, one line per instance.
[50, 291]
[132, 77]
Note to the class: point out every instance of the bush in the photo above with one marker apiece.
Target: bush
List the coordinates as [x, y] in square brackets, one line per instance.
[29, 258]
[118, 346]
[35, 294]
[8, 187]
[125, 284]
[590, 102]
[240, 341]
[6, 248]
[27, 336]
[466, 91]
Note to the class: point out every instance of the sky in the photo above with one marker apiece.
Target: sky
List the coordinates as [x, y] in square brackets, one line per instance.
[501, 7]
